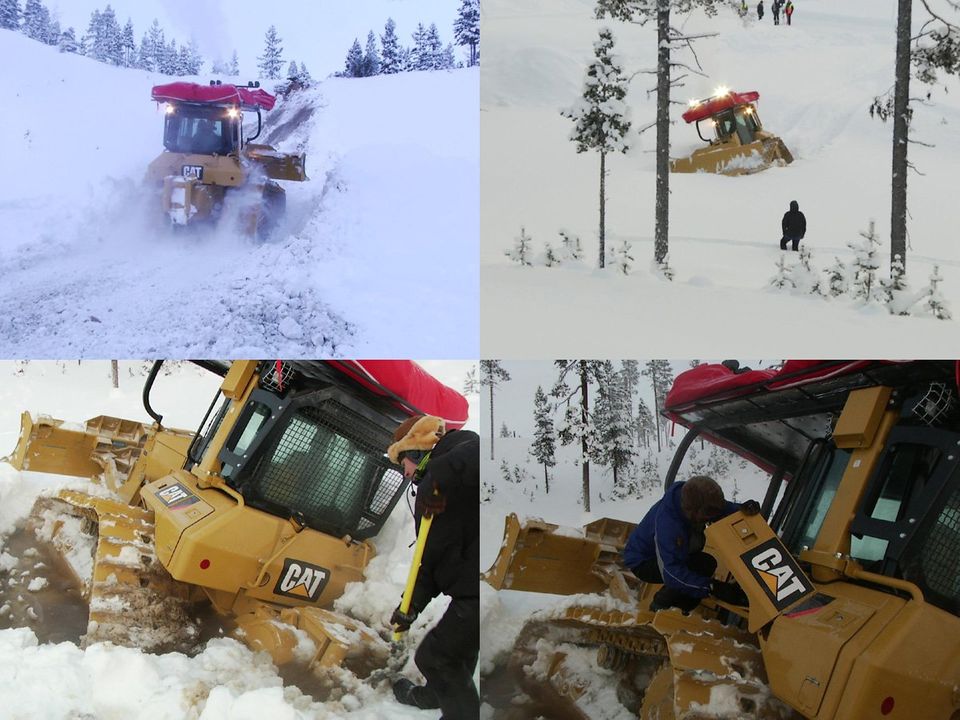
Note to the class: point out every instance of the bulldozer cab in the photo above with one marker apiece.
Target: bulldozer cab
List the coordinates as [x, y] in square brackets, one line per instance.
[201, 129]
[741, 121]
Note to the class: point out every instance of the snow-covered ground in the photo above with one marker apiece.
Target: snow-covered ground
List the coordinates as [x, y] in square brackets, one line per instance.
[816, 81]
[226, 681]
[504, 613]
[390, 210]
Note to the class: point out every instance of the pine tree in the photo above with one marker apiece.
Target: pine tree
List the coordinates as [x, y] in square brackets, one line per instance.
[68, 41]
[544, 438]
[570, 246]
[865, 265]
[668, 38]
[466, 29]
[645, 424]
[9, 14]
[305, 78]
[577, 425]
[600, 117]
[470, 384]
[234, 67]
[521, 249]
[108, 39]
[804, 277]
[782, 279]
[353, 66]
[35, 20]
[896, 291]
[448, 60]
[270, 62]
[293, 72]
[434, 48]
[614, 433]
[837, 284]
[420, 52]
[504, 431]
[933, 301]
[491, 375]
[390, 60]
[371, 57]
[53, 32]
[622, 257]
[660, 373]
[550, 257]
[128, 45]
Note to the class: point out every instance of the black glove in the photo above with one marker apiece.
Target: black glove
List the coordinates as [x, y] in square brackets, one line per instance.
[430, 501]
[729, 593]
[402, 620]
[750, 507]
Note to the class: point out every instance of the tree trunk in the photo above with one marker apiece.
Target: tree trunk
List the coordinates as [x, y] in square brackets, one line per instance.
[491, 420]
[656, 413]
[901, 109]
[584, 416]
[546, 480]
[603, 198]
[661, 231]
[115, 373]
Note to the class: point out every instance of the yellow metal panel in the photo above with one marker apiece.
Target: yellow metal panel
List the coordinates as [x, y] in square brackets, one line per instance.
[860, 419]
[237, 379]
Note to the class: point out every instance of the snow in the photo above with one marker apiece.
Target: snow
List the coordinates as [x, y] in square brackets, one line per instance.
[816, 80]
[390, 210]
[225, 680]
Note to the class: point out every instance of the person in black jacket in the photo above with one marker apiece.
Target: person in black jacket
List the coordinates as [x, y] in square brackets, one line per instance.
[445, 468]
[760, 10]
[794, 226]
[776, 12]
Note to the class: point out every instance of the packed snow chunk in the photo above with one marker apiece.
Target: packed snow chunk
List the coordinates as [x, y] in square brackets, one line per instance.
[290, 328]
[38, 583]
[724, 702]
[7, 561]
[253, 705]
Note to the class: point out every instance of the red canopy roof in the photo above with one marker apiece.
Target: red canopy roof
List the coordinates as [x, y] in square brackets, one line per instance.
[711, 106]
[247, 98]
[410, 382]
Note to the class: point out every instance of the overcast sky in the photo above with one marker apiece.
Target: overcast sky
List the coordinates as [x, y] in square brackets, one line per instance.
[318, 32]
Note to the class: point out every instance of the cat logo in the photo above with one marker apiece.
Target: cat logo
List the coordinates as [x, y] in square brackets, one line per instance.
[177, 496]
[777, 573]
[301, 580]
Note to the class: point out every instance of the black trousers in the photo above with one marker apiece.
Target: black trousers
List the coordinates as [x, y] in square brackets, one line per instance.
[699, 562]
[448, 656]
[785, 240]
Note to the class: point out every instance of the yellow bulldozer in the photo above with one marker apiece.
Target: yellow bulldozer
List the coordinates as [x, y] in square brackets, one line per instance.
[257, 520]
[851, 569]
[739, 145]
[208, 162]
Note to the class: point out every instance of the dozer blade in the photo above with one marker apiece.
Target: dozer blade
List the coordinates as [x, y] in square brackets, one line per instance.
[731, 159]
[109, 548]
[103, 445]
[338, 640]
[278, 165]
[542, 557]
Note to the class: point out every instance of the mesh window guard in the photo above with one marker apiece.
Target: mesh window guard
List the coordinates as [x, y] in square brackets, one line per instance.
[935, 564]
[276, 376]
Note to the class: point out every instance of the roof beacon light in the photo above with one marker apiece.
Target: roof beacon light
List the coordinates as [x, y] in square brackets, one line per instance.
[171, 109]
[721, 91]
[232, 112]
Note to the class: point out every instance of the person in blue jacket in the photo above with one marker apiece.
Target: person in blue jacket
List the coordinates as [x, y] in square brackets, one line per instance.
[667, 546]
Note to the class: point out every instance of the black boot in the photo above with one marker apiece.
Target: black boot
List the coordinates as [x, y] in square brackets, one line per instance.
[419, 696]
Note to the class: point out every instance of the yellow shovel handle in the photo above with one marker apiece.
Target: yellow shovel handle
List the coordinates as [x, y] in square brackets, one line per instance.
[425, 522]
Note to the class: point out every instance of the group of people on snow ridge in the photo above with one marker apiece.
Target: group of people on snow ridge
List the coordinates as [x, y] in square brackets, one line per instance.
[786, 6]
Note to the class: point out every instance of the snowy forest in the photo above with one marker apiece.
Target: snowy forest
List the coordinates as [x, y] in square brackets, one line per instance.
[106, 41]
[592, 423]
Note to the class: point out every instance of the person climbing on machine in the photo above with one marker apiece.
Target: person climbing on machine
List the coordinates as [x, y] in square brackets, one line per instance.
[667, 546]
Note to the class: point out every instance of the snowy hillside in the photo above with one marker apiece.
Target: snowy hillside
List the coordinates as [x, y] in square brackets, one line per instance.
[816, 81]
[390, 208]
[226, 681]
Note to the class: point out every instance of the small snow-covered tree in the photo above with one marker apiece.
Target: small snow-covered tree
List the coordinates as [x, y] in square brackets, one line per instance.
[9, 15]
[233, 69]
[544, 438]
[783, 279]
[550, 257]
[895, 289]
[837, 284]
[466, 28]
[293, 70]
[866, 262]
[68, 41]
[305, 77]
[371, 57]
[805, 278]
[270, 62]
[622, 257]
[390, 57]
[570, 246]
[932, 300]
[520, 253]
[601, 116]
[662, 268]
[353, 65]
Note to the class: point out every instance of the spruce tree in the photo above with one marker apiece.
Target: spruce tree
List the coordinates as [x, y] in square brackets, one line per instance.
[128, 45]
[270, 63]
[622, 258]
[305, 76]
[544, 438]
[600, 117]
[371, 56]
[9, 15]
[53, 32]
[837, 284]
[782, 280]
[293, 72]
[353, 66]
[434, 48]
[669, 38]
[234, 67]
[933, 300]
[420, 51]
[577, 422]
[614, 434]
[570, 246]
[35, 20]
[466, 29]
[660, 373]
[896, 291]
[68, 41]
[521, 249]
[865, 264]
[491, 375]
[645, 423]
[390, 57]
